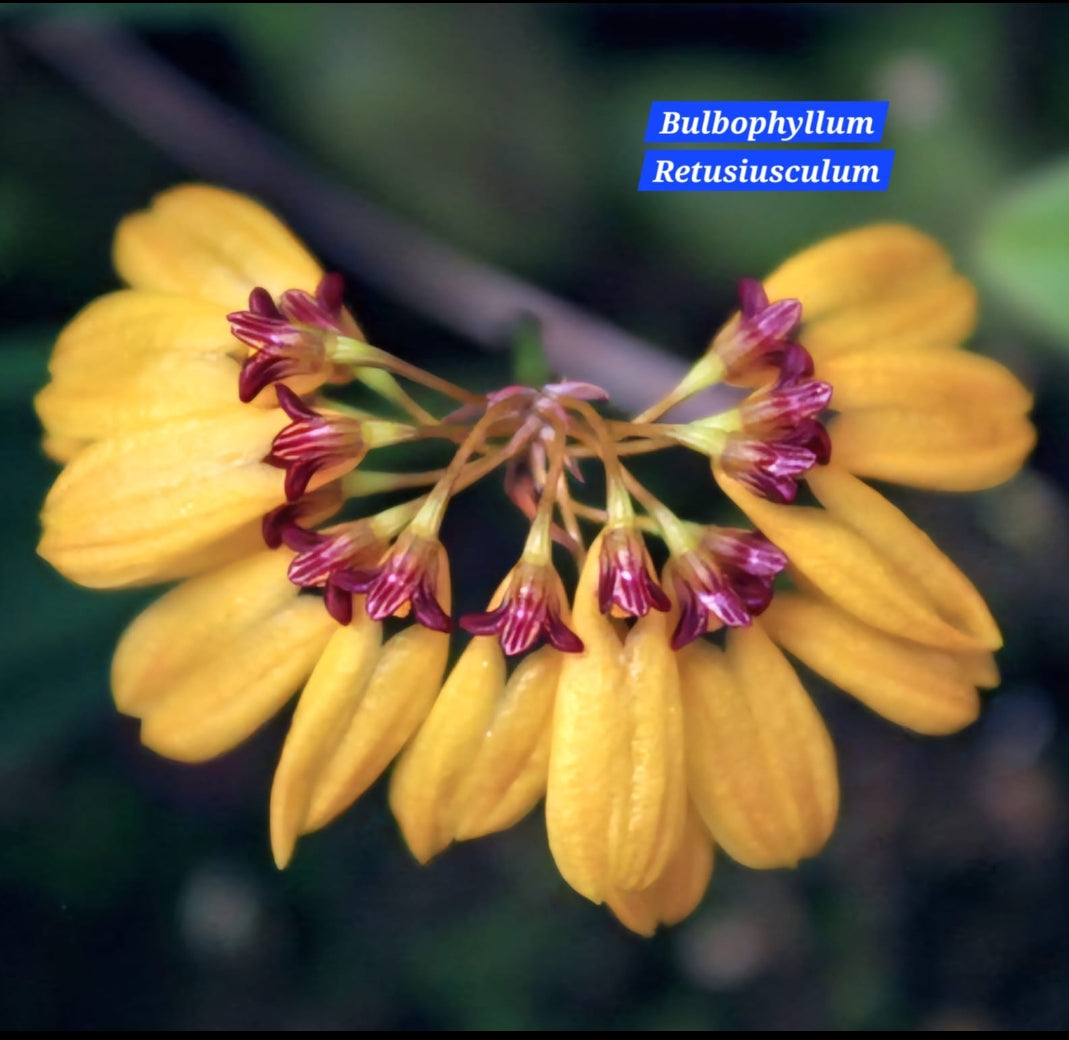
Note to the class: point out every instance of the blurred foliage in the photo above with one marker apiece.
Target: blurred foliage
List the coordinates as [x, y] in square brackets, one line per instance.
[1024, 246]
[139, 893]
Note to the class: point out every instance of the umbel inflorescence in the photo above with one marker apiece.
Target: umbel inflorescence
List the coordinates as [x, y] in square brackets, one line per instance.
[204, 421]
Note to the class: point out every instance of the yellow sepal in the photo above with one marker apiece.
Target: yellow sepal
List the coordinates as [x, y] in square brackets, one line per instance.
[677, 891]
[83, 410]
[395, 701]
[844, 565]
[507, 775]
[63, 449]
[124, 510]
[858, 268]
[903, 544]
[935, 316]
[962, 449]
[195, 623]
[118, 332]
[197, 240]
[589, 756]
[652, 806]
[427, 775]
[915, 686]
[951, 381]
[213, 707]
[323, 714]
[616, 791]
[760, 763]
[134, 359]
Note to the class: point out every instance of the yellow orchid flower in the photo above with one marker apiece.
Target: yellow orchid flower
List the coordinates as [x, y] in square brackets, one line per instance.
[202, 421]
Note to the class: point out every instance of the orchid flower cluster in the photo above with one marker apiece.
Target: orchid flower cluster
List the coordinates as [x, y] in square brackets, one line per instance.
[207, 434]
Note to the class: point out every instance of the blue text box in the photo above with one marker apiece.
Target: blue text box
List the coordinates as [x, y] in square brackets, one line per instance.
[809, 169]
[778, 122]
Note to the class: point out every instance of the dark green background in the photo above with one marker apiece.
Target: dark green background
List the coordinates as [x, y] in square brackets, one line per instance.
[135, 892]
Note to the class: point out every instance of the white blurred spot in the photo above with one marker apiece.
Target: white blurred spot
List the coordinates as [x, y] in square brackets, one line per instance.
[728, 954]
[1028, 515]
[220, 913]
[918, 88]
[725, 951]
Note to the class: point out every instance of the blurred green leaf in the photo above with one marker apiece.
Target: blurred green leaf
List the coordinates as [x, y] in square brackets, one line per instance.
[22, 372]
[1024, 249]
[530, 366]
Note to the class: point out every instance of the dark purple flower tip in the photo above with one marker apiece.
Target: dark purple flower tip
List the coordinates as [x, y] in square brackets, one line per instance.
[283, 524]
[759, 338]
[322, 310]
[795, 364]
[782, 408]
[263, 331]
[274, 524]
[752, 297]
[705, 600]
[300, 539]
[739, 551]
[260, 304]
[727, 579]
[529, 612]
[775, 323]
[287, 338]
[781, 438]
[339, 603]
[331, 293]
[312, 442]
[407, 577]
[771, 469]
[625, 580]
[322, 555]
[292, 404]
[812, 436]
[429, 612]
[259, 371]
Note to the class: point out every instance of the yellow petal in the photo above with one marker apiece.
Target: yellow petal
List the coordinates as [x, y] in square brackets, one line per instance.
[426, 776]
[652, 806]
[323, 713]
[897, 539]
[125, 509]
[914, 686]
[965, 449]
[943, 380]
[133, 359]
[589, 755]
[196, 240]
[243, 541]
[678, 890]
[395, 701]
[214, 707]
[760, 762]
[162, 390]
[119, 331]
[196, 622]
[935, 315]
[853, 573]
[859, 267]
[507, 776]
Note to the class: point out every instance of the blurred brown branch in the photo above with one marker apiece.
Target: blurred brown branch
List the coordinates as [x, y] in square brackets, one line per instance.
[218, 143]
